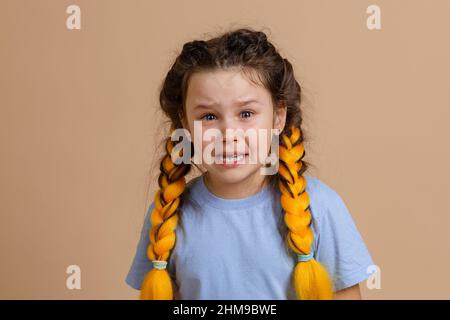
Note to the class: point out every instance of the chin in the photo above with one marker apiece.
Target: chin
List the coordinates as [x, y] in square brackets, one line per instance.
[234, 175]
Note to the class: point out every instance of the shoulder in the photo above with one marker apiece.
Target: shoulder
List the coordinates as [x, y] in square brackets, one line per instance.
[320, 189]
[339, 245]
[325, 201]
[189, 186]
[186, 204]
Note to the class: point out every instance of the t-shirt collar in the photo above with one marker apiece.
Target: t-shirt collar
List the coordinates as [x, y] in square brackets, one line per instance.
[202, 193]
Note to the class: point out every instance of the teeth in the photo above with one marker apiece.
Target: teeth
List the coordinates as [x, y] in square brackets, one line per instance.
[233, 158]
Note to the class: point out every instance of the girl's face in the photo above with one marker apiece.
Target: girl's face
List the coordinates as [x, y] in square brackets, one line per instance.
[226, 99]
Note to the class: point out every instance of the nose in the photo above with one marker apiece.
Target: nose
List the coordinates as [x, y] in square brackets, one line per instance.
[234, 139]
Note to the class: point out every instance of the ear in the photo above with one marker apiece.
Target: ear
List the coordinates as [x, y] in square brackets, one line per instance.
[280, 117]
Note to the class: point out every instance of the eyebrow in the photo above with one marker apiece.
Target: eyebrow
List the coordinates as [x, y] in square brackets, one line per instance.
[237, 103]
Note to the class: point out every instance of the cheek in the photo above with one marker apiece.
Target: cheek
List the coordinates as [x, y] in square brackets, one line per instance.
[198, 137]
[266, 144]
[260, 147]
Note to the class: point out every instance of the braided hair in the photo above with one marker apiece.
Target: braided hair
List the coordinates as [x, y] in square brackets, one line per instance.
[251, 51]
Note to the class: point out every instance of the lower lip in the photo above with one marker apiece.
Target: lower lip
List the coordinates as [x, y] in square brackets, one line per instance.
[233, 164]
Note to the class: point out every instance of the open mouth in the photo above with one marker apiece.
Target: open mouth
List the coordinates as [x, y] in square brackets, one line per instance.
[231, 158]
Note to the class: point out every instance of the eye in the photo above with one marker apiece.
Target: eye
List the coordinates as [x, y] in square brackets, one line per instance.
[249, 113]
[206, 115]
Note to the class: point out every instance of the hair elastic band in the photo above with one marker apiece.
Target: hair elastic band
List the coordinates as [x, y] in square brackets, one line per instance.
[304, 257]
[159, 264]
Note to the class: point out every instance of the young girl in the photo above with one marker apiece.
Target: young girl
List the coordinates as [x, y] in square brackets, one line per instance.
[232, 232]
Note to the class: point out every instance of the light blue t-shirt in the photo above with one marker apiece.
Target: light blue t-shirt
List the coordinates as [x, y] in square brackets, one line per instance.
[234, 248]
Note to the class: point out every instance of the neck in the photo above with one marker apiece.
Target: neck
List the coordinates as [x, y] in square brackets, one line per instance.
[236, 190]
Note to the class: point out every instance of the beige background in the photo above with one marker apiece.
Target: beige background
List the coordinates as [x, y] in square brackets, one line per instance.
[79, 122]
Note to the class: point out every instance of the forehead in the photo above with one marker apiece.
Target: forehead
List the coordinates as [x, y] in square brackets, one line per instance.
[223, 87]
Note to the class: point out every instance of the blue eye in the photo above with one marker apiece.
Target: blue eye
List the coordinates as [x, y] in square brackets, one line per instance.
[209, 114]
[247, 112]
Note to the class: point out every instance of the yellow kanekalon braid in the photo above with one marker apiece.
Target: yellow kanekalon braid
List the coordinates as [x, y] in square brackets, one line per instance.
[157, 284]
[311, 279]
